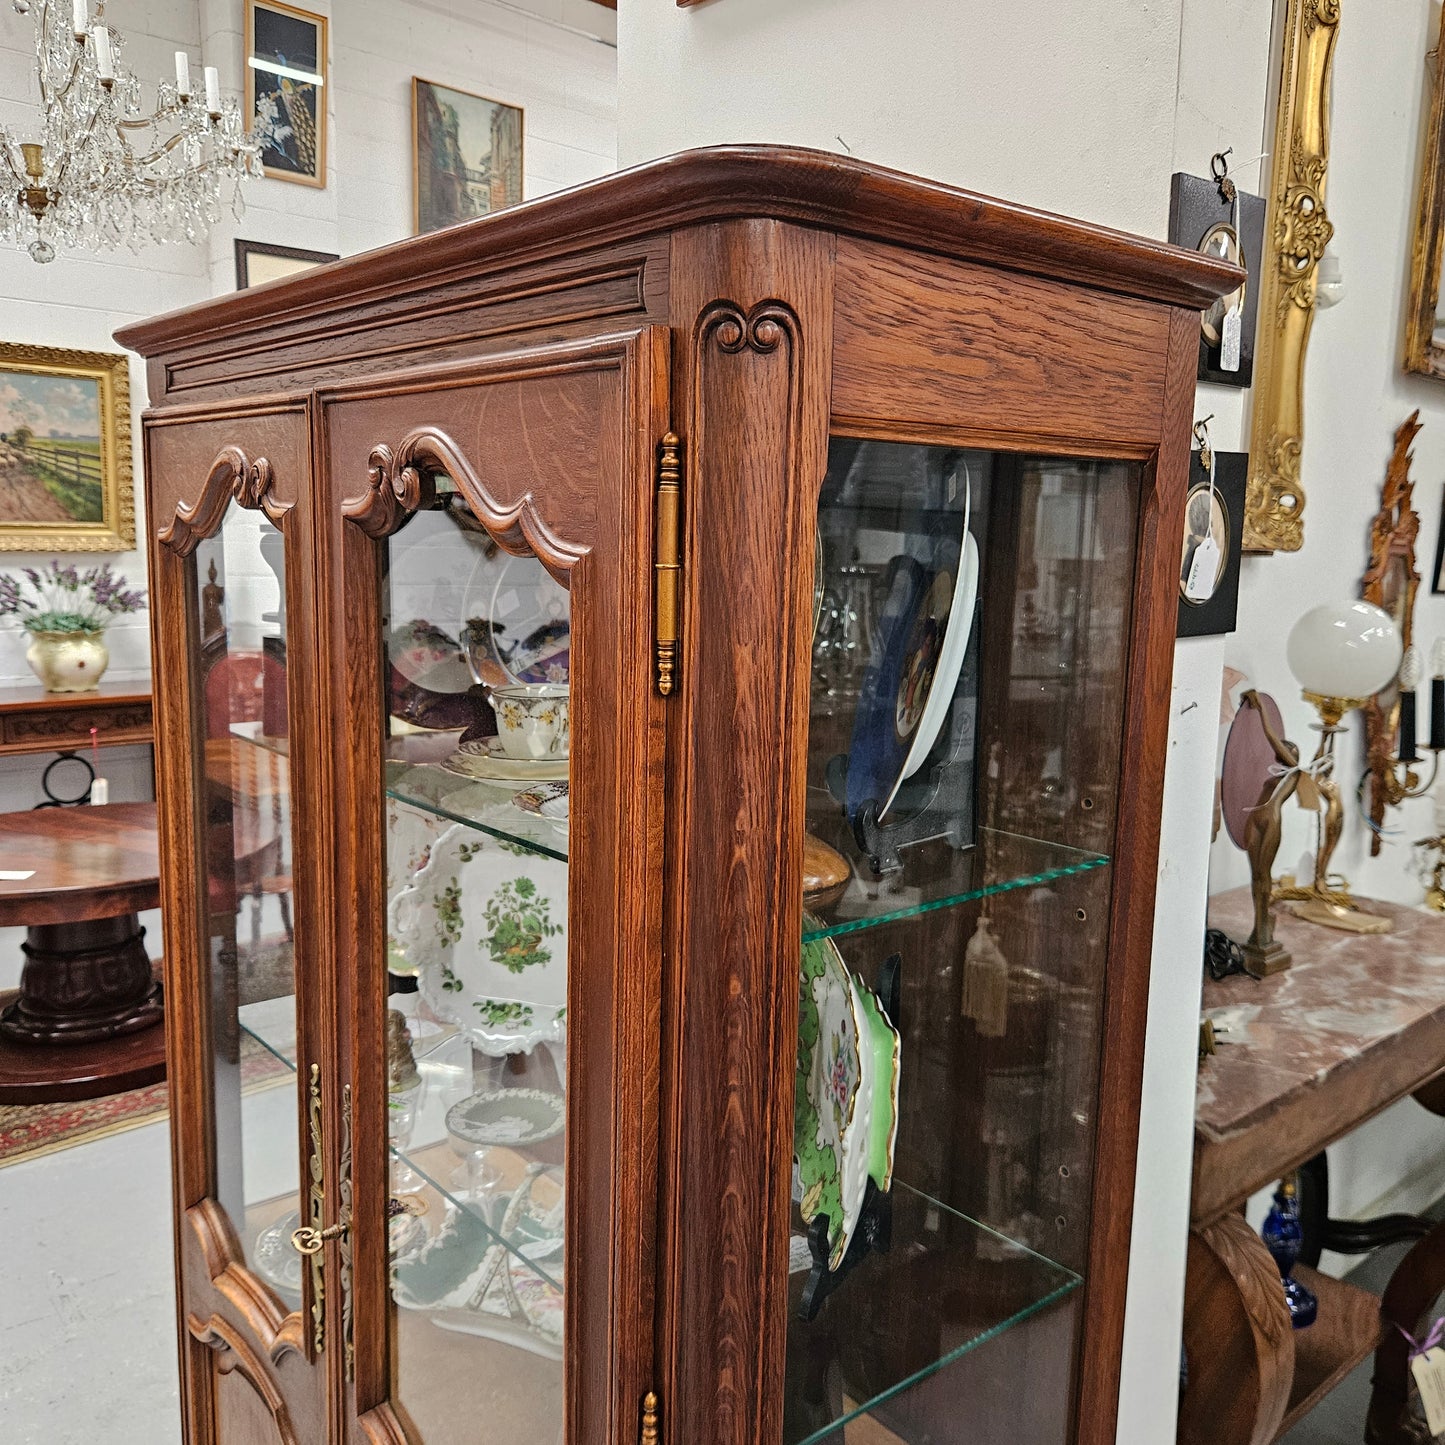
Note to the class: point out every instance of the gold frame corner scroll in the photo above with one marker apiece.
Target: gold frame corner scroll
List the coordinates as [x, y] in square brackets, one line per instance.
[1297, 232]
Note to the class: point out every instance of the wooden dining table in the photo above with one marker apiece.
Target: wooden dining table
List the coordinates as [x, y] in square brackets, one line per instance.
[86, 1019]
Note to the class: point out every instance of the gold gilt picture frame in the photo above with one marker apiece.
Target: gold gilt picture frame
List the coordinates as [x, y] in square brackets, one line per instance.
[1297, 230]
[286, 59]
[66, 483]
[1424, 331]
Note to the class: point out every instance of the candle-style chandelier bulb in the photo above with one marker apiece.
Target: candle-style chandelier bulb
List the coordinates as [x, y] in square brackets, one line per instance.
[1411, 669]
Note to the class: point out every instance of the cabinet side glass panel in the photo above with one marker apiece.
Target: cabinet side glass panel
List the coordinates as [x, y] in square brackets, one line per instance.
[970, 639]
[251, 984]
[477, 652]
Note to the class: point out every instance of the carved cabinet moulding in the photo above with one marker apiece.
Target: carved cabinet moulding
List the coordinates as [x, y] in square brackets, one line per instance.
[1296, 234]
[233, 475]
[402, 481]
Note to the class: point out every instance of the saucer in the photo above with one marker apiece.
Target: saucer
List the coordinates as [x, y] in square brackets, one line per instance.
[484, 758]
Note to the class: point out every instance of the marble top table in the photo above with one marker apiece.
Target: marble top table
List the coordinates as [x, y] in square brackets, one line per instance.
[1356, 1023]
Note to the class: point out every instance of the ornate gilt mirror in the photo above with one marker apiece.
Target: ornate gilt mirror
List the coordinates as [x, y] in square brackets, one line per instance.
[1390, 582]
[1424, 326]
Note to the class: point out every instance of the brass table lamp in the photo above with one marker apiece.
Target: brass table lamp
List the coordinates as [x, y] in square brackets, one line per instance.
[1341, 655]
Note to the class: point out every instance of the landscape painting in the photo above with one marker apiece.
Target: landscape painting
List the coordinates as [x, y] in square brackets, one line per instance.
[468, 155]
[65, 480]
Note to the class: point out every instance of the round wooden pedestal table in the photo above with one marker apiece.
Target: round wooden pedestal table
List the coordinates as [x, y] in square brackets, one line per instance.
[87, 1018]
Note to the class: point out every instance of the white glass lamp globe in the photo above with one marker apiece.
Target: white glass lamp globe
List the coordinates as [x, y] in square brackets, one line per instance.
[1344, 650]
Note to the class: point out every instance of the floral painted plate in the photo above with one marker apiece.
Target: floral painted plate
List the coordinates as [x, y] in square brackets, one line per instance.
[410, 834]
[845, 1094]
[486, 924]
[825, 1090]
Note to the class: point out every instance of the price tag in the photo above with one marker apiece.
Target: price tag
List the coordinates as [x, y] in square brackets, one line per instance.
[1203, 570]
[1308, 793]
[1229, 336]
[1429, 1372]
[800, 1257]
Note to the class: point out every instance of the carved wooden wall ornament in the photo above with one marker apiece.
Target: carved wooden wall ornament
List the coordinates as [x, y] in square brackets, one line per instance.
[1296, 234]
[1391, 582]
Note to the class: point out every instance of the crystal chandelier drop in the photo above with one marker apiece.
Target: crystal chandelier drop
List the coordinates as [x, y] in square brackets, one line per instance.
[102, 172]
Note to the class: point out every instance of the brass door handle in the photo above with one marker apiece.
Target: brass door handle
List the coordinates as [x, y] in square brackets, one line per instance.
[308, 1240]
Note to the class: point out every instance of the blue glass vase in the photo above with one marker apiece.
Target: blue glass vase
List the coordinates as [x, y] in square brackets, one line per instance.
[1284, 1237]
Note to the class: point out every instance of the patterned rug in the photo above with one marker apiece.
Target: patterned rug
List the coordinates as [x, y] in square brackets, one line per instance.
[28, 1131]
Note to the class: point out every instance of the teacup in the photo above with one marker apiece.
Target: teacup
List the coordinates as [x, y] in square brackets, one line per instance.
[532, 719]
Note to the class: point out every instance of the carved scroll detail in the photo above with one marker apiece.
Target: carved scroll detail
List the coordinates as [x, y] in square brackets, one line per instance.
[400, 484]
[238, 1356]
[763, 329]
[233, 475]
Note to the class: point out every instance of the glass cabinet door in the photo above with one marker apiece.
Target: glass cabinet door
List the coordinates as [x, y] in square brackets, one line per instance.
[255, 1081]
[477, 660]
[970, 641]
[506, 745]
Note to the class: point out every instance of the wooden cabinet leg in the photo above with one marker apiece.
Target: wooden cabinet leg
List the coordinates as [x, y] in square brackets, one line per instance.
[1237, 1338]
[1416, 1283]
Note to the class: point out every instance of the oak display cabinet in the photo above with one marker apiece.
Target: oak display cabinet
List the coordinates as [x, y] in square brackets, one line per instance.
[790, 476]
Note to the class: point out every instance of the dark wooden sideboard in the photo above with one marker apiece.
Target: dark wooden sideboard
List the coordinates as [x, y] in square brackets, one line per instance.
[35, 721]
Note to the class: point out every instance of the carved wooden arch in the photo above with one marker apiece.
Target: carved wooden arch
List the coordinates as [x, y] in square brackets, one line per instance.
[233, 475]
[401, 484]
[234, 1354]
[279, 1331]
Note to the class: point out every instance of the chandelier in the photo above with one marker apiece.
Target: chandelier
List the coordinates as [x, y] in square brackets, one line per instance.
[102, 172]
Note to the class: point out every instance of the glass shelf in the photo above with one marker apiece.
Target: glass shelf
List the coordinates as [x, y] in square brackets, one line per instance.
[935, 875]
[947, 1285]
[444, 1061]
[487, 807]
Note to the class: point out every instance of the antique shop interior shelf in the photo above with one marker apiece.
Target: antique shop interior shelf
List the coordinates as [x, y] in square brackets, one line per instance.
[721, 849]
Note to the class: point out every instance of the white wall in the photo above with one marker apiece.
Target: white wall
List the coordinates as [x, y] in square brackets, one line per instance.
[565, 83]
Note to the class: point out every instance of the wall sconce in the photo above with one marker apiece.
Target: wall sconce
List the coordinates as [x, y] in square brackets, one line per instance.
[1341, 655]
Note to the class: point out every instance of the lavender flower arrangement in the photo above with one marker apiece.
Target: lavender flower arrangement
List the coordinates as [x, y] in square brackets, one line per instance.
[65, 599]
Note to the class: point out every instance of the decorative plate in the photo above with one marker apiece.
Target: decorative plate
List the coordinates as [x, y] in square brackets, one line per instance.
[825, 1091]
[431, 684]
[410, 834]
[508, 1116]
[517, 624]
[845, 1093]
[875, 1117]
[485, 922]
[276, 1261]
[907, 692]
[546, 800]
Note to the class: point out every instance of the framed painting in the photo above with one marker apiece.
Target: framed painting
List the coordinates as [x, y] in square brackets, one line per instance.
[258, 262]
[286, 74]
[65, 463]
[467, 155]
